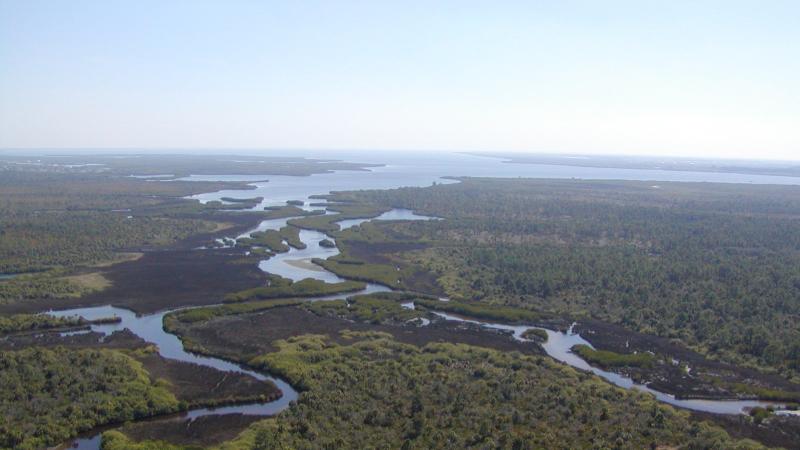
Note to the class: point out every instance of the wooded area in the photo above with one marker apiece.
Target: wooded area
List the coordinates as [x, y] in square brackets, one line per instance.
[377, 392]
[713, 265]
[48, 395]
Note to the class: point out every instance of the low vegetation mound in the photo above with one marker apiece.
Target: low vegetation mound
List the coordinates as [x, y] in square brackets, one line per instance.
[535, 334]
[308, 287]
[354, 269]
[32, 322]
[374, 308]
[209, 312]
[327, 243]
[327, 223]
[608, 359]
[277, 241]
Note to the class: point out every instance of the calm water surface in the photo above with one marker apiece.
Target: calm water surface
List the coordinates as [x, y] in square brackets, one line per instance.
[413, 170]
[394, 214]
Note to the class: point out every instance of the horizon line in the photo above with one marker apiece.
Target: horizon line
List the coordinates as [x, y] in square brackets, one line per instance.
[486, 153]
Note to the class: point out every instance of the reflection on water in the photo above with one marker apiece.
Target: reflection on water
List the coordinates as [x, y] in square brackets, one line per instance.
[394, 214]
[410, 170]
[150, 328]
[278, 264]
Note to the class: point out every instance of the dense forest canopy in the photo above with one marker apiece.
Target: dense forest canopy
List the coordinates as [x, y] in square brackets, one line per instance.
[48, 395]
[714, 265]
[379, 393]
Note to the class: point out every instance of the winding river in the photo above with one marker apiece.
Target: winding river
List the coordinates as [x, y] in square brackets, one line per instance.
[559, 346]
[296, 264]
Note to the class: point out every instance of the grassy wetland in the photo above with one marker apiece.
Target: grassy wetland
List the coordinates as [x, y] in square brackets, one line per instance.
[391, 396]
[636, 270]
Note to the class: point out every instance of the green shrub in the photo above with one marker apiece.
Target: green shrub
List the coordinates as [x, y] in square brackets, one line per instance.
[605, 358]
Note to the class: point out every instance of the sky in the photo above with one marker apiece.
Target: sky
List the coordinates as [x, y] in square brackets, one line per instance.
[686, 78]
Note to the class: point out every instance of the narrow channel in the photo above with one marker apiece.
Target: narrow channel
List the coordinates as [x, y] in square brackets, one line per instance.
[559, 347]
[296, 265]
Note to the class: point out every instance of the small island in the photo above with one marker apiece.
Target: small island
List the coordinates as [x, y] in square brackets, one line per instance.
[327, 243]
[535, 334]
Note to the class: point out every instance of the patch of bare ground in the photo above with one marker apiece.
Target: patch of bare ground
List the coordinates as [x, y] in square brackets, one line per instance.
[91, 282]
[119, 258]
[222, 226]
[304, 264]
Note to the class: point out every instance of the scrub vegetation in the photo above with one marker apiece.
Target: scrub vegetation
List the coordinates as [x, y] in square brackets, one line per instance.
[40, 241]
[379, 267]
[47, 396]
[535, 334]
[457, 396]
[115, 440]
[482, 311]
[283, 287]
[270, 239]
[710, 265]
[233, 204]
[277, 241]
[702, 267]
[382, 308]
[51, 284]
[359, 270]
[32, 322]
[327, 223]
[51, 223]
[327, 243]
[209, 312]
[606, 359]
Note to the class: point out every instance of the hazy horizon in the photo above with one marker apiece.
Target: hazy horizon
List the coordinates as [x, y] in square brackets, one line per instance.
[315, 153]
[714, 80]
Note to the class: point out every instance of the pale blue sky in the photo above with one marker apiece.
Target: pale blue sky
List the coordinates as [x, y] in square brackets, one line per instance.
[701, 78]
